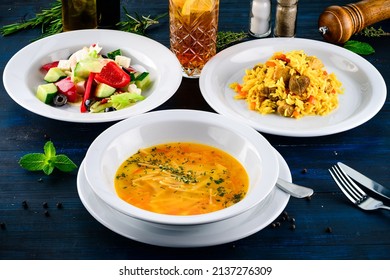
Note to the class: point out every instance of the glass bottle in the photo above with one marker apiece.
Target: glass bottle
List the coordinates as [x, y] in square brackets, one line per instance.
[78, 14]
[260, 18]
[286, 18]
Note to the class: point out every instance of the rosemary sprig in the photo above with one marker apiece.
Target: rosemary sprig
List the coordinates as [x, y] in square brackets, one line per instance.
[50, 21]
[226, 38]
[138, 24]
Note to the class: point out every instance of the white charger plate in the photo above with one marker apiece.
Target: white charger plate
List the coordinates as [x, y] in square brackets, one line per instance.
[21, 75]
[365, 88]
[216, 233]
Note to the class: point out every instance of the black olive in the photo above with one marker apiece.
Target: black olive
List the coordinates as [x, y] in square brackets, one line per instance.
[109, 109]
[126, 70]
[60, 100]
[88, 103]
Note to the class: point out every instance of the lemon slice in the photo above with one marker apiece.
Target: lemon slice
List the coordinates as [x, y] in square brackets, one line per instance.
[197, 6]
[178, 3]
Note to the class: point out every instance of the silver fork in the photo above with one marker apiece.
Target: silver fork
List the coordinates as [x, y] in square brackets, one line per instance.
[353, 192]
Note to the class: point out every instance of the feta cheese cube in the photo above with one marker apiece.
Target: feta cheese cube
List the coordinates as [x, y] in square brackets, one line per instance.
[123, 61]
[64, 64]
[133, 89]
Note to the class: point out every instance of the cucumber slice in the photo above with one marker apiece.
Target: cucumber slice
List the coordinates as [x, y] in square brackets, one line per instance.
[46, 92]
[142, 80]
[54, 74]
[85, 67]
[104, 90]
[113, 54]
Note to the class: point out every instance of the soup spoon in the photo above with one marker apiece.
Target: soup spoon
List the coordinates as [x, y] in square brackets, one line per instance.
[293, 189]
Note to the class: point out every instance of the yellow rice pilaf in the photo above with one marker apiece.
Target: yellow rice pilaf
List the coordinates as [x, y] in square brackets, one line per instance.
[291, 84]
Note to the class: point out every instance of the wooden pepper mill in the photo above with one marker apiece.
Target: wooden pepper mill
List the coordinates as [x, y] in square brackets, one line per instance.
[337, 24]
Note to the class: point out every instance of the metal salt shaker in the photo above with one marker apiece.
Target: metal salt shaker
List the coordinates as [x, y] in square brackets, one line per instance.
[260, 18]
[286, 18]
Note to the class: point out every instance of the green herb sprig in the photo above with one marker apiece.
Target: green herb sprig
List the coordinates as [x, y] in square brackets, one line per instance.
[50, 21]
[364, 48]
[138, 24]
[373, 32]
[47, 161]
[226, 38]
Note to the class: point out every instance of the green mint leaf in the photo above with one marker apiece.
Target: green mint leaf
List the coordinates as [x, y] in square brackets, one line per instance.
[63, 163]
[48, 168]
[33, 162]
[47, 161]
[359, 47]
[49, 150]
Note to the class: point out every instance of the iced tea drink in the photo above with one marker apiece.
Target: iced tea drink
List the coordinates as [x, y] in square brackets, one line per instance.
[78, 14]
[193, 33]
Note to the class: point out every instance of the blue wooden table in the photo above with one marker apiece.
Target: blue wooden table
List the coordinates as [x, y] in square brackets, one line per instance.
[326, 227]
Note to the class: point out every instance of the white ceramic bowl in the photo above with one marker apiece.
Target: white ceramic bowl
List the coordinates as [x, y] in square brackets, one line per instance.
[117, 143]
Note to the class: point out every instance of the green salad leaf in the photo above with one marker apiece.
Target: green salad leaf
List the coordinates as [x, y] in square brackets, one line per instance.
[123, 100]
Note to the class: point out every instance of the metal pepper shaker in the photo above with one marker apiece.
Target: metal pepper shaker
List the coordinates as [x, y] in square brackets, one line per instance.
[260, 18]
[286, 18]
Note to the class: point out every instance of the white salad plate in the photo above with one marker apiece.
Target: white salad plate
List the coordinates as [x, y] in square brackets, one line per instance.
[363, 97]
[203, 235]
[21, 79]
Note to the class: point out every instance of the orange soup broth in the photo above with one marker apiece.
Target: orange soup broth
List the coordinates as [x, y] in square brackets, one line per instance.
[181, 179]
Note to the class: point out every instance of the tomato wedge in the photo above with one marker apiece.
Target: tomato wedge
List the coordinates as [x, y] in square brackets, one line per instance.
[67, 87]
[113, 75]
[46, 67]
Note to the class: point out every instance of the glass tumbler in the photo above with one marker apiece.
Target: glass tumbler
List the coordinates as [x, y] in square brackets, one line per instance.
[78, 14]
[193, 33]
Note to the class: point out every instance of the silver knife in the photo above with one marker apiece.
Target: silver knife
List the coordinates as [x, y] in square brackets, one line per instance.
[365, 181]
[293, 189]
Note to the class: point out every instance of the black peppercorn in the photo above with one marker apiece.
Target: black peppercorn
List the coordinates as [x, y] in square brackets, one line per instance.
[2, 225]
[24, 204]
[45, 205]
[292, 227]
[329, 230]
[59, 205]
[47, 214]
